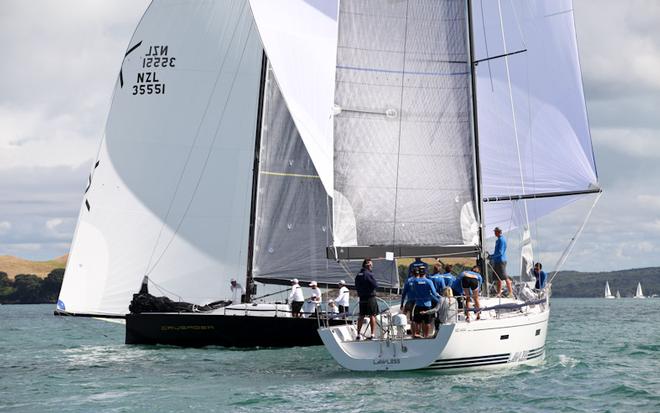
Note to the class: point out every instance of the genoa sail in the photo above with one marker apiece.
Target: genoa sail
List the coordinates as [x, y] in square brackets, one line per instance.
[534, 139]
[170, 194]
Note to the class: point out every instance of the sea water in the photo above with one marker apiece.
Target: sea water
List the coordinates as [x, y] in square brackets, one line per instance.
[602, 355]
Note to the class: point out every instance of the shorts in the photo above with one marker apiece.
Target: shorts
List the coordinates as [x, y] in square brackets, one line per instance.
[499, 269]
[343, 309]
[408, 306]
[471, 283]
[296, 306]
[368, 307]
[422, 318]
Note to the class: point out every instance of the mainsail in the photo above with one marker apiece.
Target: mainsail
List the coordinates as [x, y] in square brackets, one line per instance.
[170, 193]
[404, 154]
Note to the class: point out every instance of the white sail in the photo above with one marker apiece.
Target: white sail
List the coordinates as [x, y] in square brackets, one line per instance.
[534, 138]
[638, 292]
[170, 194]
[300, 39]
[618, 294]
[608, 293]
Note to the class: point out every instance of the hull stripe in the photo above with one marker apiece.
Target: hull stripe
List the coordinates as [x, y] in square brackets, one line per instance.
[481, 360]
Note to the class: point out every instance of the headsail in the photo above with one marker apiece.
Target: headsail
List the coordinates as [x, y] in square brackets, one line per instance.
[171, 194]
[533, 129]
[300, 39]
[404, 154]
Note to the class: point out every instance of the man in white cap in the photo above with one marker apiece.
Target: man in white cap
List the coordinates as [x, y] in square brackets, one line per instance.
[311, 305]
[237, 291]
[296, 298]
[342, 299]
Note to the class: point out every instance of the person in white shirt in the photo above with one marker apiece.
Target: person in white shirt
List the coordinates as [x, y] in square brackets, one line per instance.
[332, 308]
[342, 299]
[237, 291]
[311, 305]
[296, 298]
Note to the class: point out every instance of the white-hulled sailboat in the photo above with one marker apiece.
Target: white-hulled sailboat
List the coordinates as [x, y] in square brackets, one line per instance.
[608, 293]
[454, 117]
[638, 292]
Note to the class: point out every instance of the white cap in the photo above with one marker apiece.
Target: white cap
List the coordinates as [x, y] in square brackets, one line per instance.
[295, 281]
[342, 282]
[312, 284]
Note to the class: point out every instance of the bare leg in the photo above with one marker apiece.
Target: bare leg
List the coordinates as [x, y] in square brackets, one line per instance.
[508, 285]
[359, 325]
[466, 294]
[372, 322]
[425, 330]
[499, 287]
[477, 306]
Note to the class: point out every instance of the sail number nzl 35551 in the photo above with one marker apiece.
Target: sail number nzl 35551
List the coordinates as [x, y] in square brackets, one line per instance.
[156, 59]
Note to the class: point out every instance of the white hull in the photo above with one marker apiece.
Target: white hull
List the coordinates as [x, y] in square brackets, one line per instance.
[493, 342]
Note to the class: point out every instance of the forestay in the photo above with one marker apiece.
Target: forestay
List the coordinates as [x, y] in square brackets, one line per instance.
[404, 155]
[170, 196]
[300, 39]
[533, 131]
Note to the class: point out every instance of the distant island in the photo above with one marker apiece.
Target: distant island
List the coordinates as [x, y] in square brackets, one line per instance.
[39, 282]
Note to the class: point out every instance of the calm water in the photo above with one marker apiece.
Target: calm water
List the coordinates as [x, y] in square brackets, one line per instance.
[603, 355]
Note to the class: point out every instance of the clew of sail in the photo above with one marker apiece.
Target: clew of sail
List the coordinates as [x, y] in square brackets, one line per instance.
[170, 196]
[534, 137]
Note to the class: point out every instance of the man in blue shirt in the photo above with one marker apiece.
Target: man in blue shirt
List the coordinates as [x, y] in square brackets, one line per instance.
[470, 281]
[365, 284]
[425, 294]
[540, 276]
[448, 278]
[498, 260]
[418, 263]
[436, 277]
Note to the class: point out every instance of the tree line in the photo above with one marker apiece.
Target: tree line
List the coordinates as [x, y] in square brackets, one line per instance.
[30, 288]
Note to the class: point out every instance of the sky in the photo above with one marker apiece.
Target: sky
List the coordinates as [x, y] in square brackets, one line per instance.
[61, 60]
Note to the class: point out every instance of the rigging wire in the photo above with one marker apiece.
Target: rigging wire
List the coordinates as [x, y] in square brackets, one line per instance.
[398, 152]
[571, 244]
[208, 154]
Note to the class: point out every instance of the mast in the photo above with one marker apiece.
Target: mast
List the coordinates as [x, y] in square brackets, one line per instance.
[481, 261]
[250, 289]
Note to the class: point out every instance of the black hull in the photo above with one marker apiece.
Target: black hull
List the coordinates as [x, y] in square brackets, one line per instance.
[199, 330]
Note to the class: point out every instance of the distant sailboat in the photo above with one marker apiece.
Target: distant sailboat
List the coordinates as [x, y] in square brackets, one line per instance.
[608, 293]
[639, 293]
[618, 295]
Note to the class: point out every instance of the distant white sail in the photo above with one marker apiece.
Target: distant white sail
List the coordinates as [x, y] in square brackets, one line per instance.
[638, 292]
[170, 194]
[608, 293]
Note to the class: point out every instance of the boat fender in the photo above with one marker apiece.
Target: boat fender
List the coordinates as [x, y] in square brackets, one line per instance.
[399, 320]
